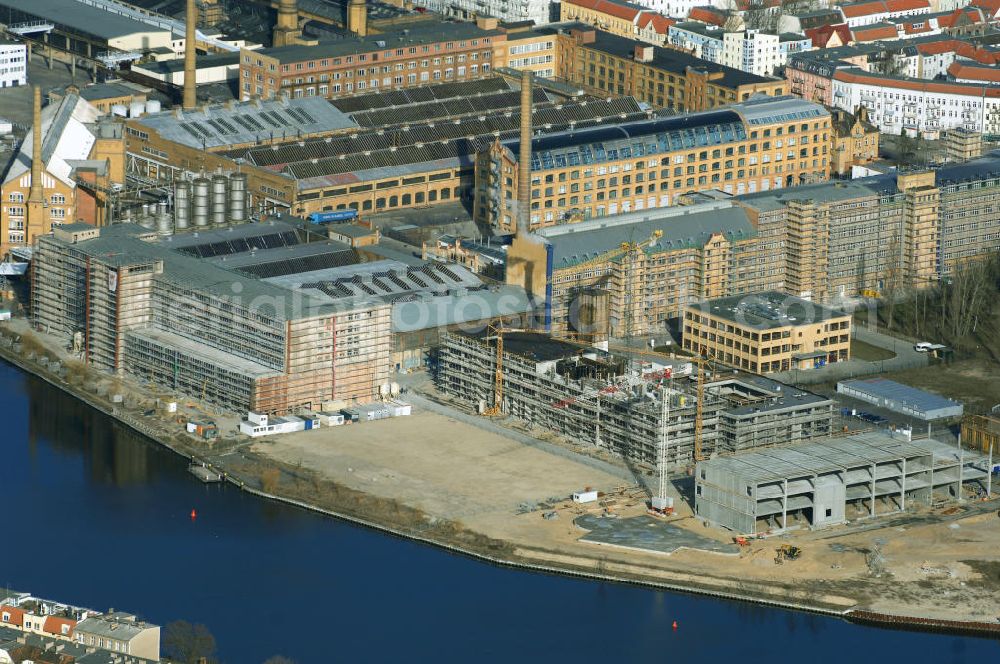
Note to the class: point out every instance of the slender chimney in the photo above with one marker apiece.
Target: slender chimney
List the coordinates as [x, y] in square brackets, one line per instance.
[36, 193]
[524, 159]
[190, 72]
[357, 17]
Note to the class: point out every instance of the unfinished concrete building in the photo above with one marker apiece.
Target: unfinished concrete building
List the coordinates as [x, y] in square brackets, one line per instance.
[831, 482]
[615, 402]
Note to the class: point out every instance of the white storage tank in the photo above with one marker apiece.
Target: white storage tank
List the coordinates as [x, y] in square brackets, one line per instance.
[136, 109]
[153, 106]
[120, 110]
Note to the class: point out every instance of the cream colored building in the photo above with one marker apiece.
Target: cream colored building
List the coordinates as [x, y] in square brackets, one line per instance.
[759, 145]
[767, 332]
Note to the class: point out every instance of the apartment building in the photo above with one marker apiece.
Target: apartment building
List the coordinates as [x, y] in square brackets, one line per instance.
[617, 17]
[855, 141]
[421, 55]
[761, 144]
[914, 106]
[120, 632]
[867, 12]
[767, 332]
[752, 51]
[664, 77]
[13, 64]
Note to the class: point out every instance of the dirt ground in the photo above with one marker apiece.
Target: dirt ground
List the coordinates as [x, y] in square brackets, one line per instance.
[973, 382]
[936, 564]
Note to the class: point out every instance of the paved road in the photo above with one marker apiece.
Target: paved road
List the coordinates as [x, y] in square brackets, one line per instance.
[906, 358]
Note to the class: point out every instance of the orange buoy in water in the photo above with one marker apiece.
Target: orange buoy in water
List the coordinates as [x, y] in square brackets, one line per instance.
[194, 514]
[675, 625]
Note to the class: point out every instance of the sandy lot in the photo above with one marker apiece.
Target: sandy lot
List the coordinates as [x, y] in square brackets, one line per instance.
[440, 465]
[937, 564]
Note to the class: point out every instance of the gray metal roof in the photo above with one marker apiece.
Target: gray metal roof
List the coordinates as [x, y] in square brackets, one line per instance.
[421, 33]
[247, 122]
[884, 388]
[119, 246]
[79, 17]
[682, 227]
[768, 310]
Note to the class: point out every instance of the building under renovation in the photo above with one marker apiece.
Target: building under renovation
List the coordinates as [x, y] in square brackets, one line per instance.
[617, 402]
[832, 481]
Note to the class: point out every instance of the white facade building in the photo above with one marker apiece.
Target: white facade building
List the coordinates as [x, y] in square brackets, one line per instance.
[753, 51]
[913, 106]
[867, 12]
[13, 64]
[510, 11]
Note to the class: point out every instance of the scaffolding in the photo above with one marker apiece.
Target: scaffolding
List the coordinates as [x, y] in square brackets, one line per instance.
[611, 402]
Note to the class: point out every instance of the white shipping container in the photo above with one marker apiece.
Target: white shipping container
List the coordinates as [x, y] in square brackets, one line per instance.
[585, 497]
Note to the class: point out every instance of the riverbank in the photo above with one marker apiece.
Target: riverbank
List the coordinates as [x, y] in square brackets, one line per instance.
[524, 545]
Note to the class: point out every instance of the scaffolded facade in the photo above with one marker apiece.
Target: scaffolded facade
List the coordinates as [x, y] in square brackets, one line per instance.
[590, 396]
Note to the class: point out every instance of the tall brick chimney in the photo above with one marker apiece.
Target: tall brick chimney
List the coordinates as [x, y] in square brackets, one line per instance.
[524, 158]
[190, 71]
[36, 193]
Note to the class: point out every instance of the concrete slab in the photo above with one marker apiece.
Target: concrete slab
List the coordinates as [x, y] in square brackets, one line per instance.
[647, 533]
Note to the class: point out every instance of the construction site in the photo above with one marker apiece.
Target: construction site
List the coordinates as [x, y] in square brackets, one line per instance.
[647, 408]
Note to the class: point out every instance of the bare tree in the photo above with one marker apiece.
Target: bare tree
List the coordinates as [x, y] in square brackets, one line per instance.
[188, 643]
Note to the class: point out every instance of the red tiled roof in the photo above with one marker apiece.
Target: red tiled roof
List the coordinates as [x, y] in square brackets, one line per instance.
[980, 55]
[859, 9]
[661, 24]
[974, 73]
[608, 7]
[938, 47]
[16, 615]
[992, 7]
[707, 15]
[952, 19]
[875, 32]
[54, 625]
[906, 5]
[821, 36]
[916, 84]
[910, 27]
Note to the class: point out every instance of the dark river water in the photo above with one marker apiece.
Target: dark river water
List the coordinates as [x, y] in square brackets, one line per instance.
[97, 516]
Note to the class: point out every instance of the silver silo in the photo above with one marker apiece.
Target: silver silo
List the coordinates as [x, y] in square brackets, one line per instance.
[146, 219]
[164, 224]
[182, 206]
[238, 198]
[220, 202]
[199, 202]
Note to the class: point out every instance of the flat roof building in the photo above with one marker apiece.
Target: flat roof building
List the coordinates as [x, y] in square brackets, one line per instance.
[421, 55]
[80, 26]
[767, 332]
[830, 481]
[901, 398]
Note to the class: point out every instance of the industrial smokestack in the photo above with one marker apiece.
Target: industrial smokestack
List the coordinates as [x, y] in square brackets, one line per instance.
[524, 159]
[35, 193]
[190, 73]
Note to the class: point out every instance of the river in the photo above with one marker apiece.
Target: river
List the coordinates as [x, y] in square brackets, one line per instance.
[98, 516]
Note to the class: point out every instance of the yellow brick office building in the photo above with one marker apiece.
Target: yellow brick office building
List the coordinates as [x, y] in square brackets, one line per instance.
[603, 63]
[758, 145]
[767, 332]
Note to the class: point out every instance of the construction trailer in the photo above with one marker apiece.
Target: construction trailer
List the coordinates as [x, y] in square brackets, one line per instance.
[615, 401]
[832, 481]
